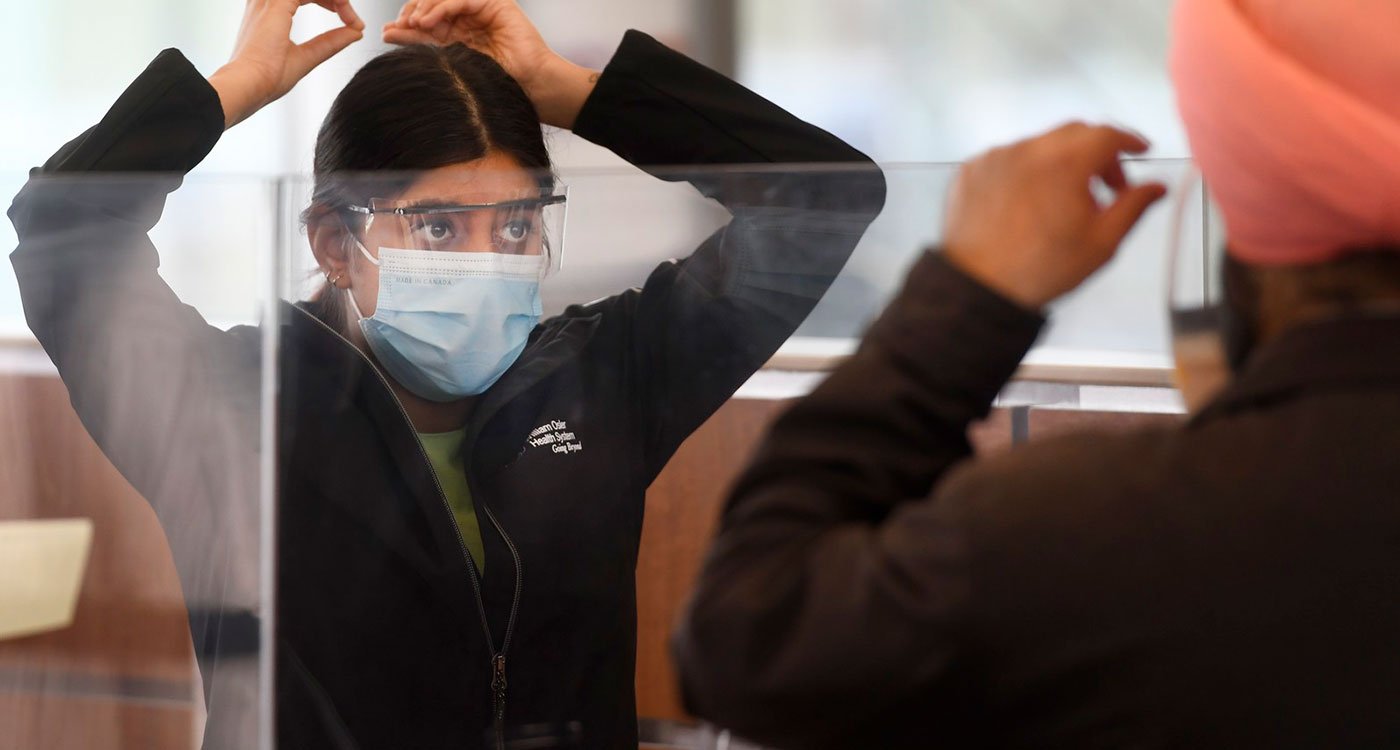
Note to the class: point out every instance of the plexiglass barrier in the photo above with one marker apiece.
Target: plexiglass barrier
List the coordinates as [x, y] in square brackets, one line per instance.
[426, 460]
[138, 484]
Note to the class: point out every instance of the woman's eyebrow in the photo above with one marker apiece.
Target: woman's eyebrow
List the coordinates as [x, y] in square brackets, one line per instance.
[440, 204]
[433, 203]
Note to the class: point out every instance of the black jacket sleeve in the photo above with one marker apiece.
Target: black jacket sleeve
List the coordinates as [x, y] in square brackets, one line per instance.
[834, 590]
[703, 325]
[172, 401]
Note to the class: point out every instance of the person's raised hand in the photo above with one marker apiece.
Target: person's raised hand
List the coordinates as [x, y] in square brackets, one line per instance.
[266, 63]
[500, 29]
[1023, 219]
[495, 27]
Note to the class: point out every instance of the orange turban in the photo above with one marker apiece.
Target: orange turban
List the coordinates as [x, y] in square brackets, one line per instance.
[1292, 108]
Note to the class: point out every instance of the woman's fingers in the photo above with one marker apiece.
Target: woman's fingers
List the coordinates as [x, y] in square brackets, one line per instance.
[406, 13]
[323, 47]
[266, 63]
[432, 12]
[441, 34]
[348, 16]
[423, 7]
[394, 34]
[341, 8]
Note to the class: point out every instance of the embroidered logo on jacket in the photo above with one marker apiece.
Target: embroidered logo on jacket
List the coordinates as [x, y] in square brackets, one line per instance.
[555, 435]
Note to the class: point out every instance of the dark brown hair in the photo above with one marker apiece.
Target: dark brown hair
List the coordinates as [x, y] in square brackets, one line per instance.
[415, 108]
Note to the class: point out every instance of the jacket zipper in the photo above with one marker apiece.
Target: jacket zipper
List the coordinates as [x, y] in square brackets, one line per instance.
[498, 659]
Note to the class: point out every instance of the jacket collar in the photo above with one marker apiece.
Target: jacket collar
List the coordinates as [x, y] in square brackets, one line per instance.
[1337, 354]
[323, 356]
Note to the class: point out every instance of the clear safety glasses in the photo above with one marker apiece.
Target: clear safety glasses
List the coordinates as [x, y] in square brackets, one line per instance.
[530, 224]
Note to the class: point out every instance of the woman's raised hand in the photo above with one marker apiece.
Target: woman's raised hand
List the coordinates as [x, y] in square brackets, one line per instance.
[496, 27]
[266, 63]
[500, 29]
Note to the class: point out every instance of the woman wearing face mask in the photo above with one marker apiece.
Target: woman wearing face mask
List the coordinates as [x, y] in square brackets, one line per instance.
[445, 577]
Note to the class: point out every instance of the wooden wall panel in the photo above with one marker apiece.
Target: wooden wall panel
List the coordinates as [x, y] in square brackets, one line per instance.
[1048, 423]
[130, 635]
[683, 506]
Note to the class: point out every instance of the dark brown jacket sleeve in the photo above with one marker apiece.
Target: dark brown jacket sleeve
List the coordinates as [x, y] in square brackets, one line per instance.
[835, 586]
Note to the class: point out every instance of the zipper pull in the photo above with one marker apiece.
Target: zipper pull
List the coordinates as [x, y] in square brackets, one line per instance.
[498, 688]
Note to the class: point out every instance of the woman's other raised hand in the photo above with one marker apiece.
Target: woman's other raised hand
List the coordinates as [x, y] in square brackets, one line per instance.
[500, 29]
[266, 63]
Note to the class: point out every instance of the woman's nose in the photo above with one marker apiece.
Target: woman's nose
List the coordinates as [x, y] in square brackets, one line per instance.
[480, 233]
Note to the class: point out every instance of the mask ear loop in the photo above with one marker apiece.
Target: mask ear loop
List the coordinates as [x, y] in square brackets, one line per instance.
[364, 251]
[348, 293]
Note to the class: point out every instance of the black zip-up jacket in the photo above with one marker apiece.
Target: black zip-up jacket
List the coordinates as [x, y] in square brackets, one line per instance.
[381, 642]
[1233, 582]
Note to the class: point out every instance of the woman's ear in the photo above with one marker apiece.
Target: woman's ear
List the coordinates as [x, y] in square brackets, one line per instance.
[329, 240]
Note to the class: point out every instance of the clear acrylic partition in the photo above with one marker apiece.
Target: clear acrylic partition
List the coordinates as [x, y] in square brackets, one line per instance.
[1113, 331]
[140, 404]
[652, 351]
[1107, 345]
[135, 514]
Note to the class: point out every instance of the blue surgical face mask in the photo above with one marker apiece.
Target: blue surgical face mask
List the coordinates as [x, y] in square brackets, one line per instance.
[448, 324]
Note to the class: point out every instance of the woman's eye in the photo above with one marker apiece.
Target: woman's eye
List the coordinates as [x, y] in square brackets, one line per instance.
[515, 231]
[434, 232]
[439, 230]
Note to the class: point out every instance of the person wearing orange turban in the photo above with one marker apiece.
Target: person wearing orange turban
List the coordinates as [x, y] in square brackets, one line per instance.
[1228, 581]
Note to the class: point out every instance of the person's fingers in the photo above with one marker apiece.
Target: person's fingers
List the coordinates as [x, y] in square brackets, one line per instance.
[1118, 219]
[348, 16]
[324, 46]
[1068, 130]
[341, 8]
[404, 32]
[423, 7]
[397, 35]
[286, 8]
[1100, 146]
[1121, 139]
[1113, 176]
[442, 32]
[433, 12]
[406, 13]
